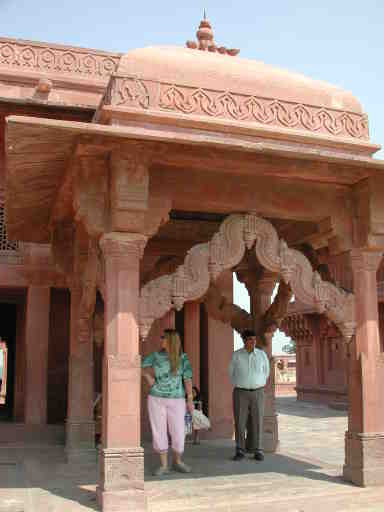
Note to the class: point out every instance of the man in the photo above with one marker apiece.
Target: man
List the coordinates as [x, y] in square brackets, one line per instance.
[249, 371]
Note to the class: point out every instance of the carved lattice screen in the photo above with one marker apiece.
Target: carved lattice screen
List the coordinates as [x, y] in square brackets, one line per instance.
[9, 251]
[5, 244]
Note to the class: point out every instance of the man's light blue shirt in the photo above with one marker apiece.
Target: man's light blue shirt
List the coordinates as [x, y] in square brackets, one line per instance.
[249, 370]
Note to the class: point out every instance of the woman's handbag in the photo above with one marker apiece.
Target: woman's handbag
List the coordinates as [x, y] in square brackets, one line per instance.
[200, 420]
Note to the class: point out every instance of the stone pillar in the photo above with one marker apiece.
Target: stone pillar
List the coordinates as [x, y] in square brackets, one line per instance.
[36, 350]
[80, 425]
[260, 294]
[217, 350]
[364, 440]
[192, 338]
[121, 482]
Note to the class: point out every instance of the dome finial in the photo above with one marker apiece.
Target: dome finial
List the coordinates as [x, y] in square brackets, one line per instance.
[205, 40]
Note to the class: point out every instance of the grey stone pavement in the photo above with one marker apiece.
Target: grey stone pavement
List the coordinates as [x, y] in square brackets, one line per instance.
[304, 476]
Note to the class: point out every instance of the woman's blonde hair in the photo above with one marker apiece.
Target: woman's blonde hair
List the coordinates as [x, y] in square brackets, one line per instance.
[174, 349]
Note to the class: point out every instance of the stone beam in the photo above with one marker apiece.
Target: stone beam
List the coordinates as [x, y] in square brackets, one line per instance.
[251, 164]
[274, 198]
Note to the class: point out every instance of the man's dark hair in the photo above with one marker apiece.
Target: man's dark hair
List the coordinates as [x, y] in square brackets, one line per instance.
[248, 333]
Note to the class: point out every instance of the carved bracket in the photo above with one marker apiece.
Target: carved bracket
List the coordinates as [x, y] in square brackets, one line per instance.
[205, 262]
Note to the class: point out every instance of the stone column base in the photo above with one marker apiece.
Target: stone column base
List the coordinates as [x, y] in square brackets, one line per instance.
[121, 482]
[271, 433]
[364, 459]
[80, 441]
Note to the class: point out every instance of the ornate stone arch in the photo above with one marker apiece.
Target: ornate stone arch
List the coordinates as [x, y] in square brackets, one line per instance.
[205, 262]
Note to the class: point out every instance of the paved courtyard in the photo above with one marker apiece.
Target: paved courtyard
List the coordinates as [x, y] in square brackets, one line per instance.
[304, 476]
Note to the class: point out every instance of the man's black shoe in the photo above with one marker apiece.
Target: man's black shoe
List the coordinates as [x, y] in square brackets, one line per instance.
[259, 456]
[238, 456]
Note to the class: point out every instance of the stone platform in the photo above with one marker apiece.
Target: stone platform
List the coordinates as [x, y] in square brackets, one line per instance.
[304, 476]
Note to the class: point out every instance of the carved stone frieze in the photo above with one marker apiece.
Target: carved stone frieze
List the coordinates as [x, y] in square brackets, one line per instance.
[145, 94]
[205, 262]
[39, 57]
[129, 91]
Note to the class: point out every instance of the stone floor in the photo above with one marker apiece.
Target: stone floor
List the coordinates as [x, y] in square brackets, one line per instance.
[304, 476]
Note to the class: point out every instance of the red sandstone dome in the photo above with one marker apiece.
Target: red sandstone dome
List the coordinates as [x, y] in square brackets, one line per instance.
[220, 72]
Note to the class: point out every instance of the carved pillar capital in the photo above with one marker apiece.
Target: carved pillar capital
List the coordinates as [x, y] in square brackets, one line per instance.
[118, 245]
[363, 260]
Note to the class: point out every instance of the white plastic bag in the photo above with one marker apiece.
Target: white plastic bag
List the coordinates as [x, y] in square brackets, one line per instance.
[200, 421]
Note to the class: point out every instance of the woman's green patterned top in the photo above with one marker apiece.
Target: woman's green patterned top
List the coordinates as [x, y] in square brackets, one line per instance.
[166, 384]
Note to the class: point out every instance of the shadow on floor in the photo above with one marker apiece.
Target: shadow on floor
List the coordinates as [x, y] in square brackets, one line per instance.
[213, 459]
[46, 470]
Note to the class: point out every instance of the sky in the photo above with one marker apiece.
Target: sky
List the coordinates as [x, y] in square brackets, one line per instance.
[339, 41]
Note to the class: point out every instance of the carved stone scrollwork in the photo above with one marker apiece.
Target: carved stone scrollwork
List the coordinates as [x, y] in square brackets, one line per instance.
[321, 294]
[261, 232]
[202, 264]
[179, 288]
[155, 301]
[302, 278]
[227, 247]
[205, 262]
[287, 267]
[196, 269]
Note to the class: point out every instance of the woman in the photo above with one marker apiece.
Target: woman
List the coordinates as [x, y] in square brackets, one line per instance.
[166, 399]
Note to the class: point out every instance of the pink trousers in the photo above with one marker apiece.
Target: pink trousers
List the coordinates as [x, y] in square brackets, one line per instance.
[166, 415]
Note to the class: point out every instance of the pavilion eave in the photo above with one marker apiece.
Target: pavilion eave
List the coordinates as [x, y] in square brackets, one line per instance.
[38, 153]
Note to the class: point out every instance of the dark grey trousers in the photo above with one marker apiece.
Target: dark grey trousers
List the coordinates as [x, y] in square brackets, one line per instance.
[248, 404]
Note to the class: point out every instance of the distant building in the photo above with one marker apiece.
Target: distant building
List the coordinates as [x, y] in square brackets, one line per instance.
[285, 374]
